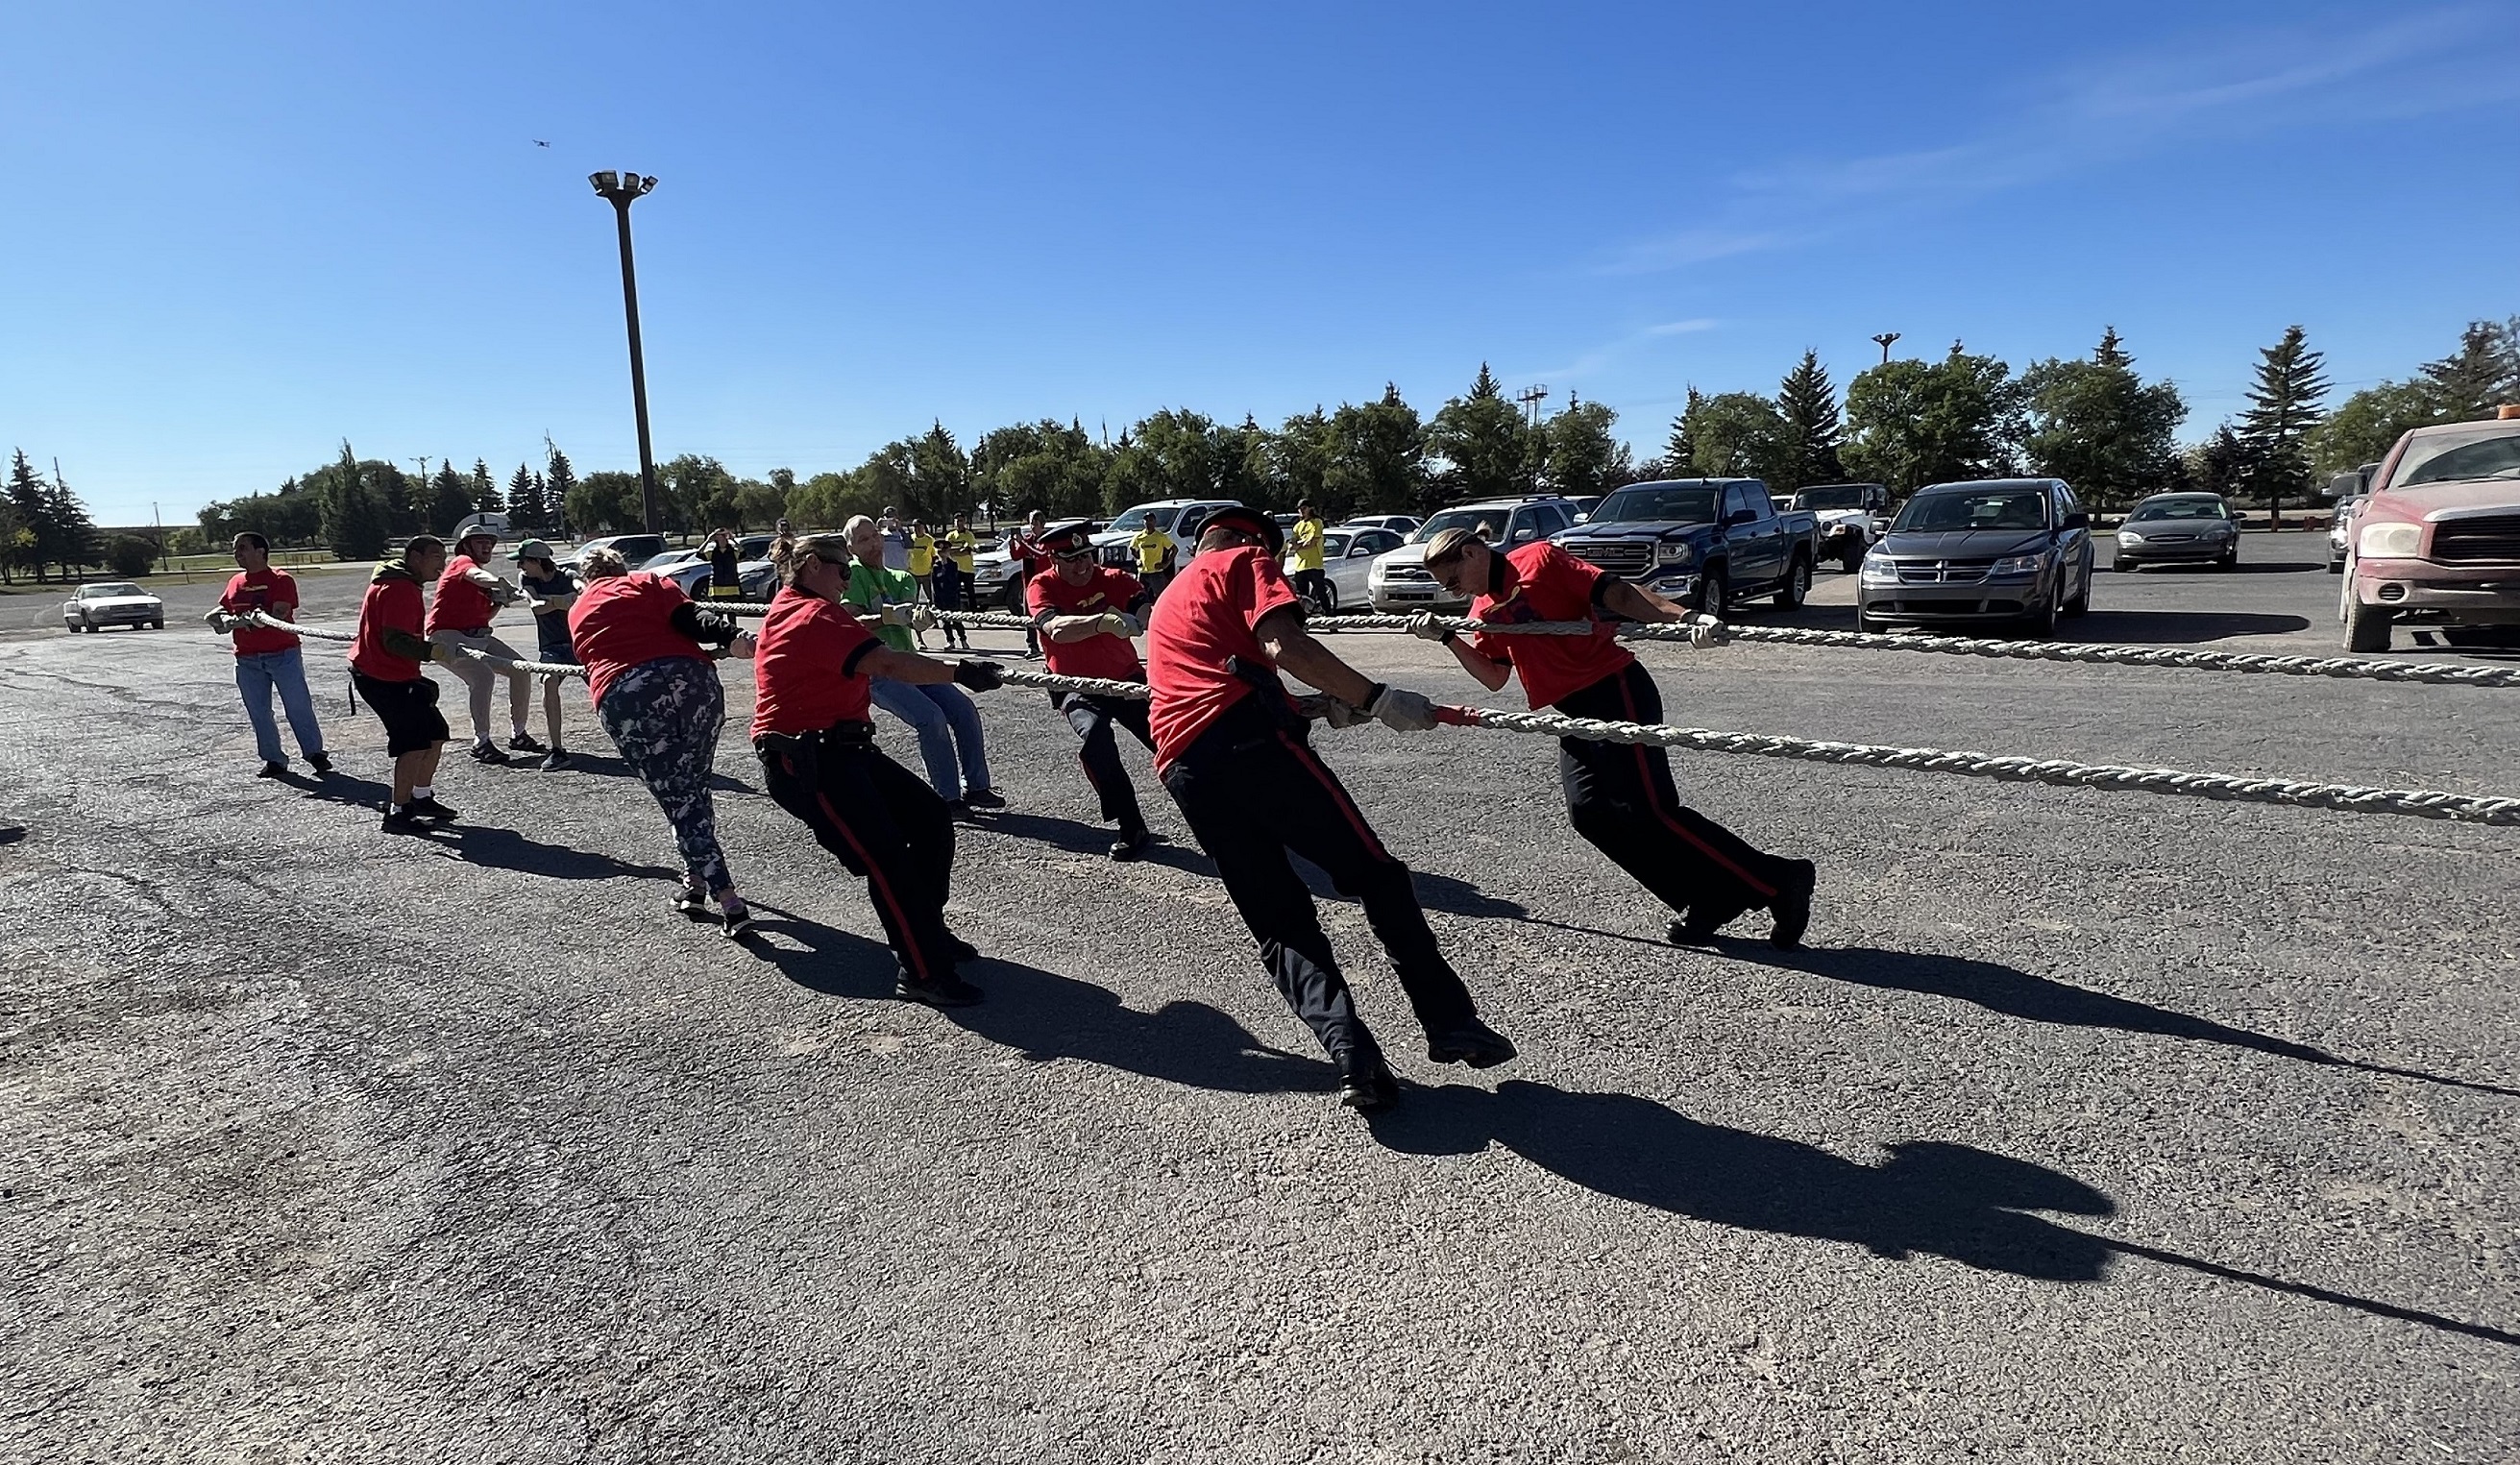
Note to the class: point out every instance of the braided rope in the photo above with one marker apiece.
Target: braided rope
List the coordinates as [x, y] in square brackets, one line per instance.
[498, 663]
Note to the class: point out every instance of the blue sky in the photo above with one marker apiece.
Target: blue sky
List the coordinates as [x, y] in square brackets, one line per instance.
[239, 234]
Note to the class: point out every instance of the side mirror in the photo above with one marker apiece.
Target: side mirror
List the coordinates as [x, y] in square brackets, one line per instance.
[1740, 517]
[2078, 520]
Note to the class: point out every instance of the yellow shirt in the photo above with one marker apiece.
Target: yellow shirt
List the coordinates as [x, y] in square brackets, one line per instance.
[1305, 543]
[923, 555]
[960, 546]
[1152, 545]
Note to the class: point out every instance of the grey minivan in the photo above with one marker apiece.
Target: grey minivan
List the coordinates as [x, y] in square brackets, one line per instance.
[1989, 550]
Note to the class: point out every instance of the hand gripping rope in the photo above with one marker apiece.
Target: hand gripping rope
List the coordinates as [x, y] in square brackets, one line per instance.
[2416, 803]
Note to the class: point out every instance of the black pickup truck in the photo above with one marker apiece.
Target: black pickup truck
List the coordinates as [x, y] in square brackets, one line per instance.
[1707, 542]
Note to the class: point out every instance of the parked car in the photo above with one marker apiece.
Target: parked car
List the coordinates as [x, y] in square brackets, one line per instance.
[1181, 518]
[635, 549]
[746, 547]
[1398, 580]
[1584, 505]
[1997, 549]
[668, 560]
[2187, 528]
[1402, 524]
[1709, 543]
[2347, 489]
[1347, 564]
[2437, 541]
[1851, 517]
[93, 607]
[758, 577]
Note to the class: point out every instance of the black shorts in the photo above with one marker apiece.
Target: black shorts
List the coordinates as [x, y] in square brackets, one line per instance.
[409, 711]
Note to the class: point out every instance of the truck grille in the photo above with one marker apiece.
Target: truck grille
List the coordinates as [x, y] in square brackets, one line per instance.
[1406, 572]
[1943, 571]
[1618, 557]
[2480, 541]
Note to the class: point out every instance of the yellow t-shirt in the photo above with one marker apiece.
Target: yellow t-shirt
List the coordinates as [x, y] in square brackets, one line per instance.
[1306, 543]
[923, 555]
[960, 546]
[1151, 544]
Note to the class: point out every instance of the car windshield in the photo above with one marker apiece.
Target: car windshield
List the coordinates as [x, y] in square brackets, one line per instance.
[2493, 451]
[1335, 544]
[1989, 508]
[2180, 508]
[1487, 523]
[1144, 518]
[1840, 495]
[1685, 504]
[111, 591]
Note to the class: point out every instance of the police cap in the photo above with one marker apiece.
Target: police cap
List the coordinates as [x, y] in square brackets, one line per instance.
[1067, 536]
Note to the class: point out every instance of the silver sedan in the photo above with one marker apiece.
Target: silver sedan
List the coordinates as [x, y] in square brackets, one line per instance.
[93, 607]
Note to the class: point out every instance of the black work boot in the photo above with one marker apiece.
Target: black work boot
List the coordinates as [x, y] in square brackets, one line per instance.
[1473, 1043]
[1792, 908]
[1369, 1087]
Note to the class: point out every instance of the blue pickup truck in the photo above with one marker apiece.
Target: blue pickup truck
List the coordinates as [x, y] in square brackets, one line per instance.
[1707, 542]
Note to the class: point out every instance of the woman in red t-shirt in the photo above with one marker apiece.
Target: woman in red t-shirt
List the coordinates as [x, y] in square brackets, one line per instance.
[811, 728]
[641, 641]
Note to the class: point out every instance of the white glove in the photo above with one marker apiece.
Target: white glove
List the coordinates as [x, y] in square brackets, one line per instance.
[897, 615]
[1402, 710]
[923, 618]
[1339, 714]
[1426, 625]
[1705, 631]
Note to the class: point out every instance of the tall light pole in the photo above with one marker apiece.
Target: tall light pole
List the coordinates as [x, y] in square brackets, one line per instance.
[621, 190]
[1883, 340]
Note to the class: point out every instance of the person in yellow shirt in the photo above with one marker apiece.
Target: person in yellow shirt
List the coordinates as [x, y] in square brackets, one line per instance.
[1156, 551]
[958, 548]
[1304, 548]
[922, 566]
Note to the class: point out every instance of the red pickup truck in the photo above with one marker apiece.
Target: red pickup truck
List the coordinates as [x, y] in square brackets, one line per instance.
[2437, 540]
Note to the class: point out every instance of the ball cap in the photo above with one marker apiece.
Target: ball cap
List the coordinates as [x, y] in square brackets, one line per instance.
[532, 549]
[1249, 520]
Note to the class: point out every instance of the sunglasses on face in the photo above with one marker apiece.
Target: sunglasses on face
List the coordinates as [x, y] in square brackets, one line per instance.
[1071, 556]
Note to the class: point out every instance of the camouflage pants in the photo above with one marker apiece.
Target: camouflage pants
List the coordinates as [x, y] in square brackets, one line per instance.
[665, 715]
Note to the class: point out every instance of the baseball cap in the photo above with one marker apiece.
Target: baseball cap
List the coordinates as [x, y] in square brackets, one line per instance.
[1249, 521]
[532, 549]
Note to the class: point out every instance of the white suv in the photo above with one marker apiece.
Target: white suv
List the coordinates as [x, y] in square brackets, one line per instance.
[1399, 581]
[1181, 518]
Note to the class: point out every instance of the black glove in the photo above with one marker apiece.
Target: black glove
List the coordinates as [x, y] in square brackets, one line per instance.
[978, 676]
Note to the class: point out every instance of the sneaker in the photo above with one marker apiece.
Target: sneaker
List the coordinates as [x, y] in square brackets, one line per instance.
[1699, 926]
[320, 763]
[1792, 908]
[738, 920]
[961, 950]
[523, 742]
[957, 809]
[984, 798]
[947, 991]
[1369, 1091]
[272, 771]
[556, 758]
[430, 809]
[401, 821]
[694, 904]
[1132, 844]
[488, 752]
[1473, 1043]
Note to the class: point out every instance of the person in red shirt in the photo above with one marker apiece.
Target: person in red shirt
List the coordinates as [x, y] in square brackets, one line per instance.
[814, 734]
[640, 639]
[269, 661]
[1024, 547]
[1235, 756]
[469, 595]
[1086, 616]
[384, 667]
[1619, 796]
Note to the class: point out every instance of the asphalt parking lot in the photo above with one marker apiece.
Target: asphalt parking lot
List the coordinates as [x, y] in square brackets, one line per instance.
[2094, 1126]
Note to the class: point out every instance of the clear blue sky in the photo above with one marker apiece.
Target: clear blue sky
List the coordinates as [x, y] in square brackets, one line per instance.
[240, 233]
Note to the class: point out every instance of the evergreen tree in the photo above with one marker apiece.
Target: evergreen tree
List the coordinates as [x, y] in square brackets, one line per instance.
[486, 490]
[353, 520]
[1680, 450]
[1808, 402]
[1297, 457]
[1484, 439]
[556, 487]
[67, 535]
[2095, 424]
[28, 545]
[526, 509]
[450, 499]
[1375, 455]
[2283, 408]
[2483, 374]
[940, 475]
[1584, 459]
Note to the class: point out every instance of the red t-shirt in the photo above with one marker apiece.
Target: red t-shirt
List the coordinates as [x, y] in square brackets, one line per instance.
[461, 604]
[266, 589]
[620, 621]
[390, 603]
[1027, 552]
[1207, 615]
[1545, 583]
[805, 674]
[1112, 657]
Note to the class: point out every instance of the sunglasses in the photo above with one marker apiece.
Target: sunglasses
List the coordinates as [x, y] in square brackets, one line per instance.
[1073, 554]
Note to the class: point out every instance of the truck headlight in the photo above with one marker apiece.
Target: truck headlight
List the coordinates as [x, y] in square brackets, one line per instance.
[2390, 541]
[2017, 566]
[1675, 553]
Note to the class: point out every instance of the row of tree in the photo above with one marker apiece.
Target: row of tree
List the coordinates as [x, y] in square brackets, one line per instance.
[43, 526]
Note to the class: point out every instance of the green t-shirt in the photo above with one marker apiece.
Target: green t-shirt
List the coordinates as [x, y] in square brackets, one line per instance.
[872, 589]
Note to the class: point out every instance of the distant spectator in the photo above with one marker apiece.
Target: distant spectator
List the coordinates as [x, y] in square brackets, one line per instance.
[725, 566]
[269, 661]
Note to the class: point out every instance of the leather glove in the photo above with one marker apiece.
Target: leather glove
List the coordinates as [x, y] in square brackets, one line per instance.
[923, 617]
[501, 593]
[1113, 623]
[978, 676]
[220, 621]
[743, 646]
[897, 615]
[1428, 626]
[1339, 714]
[1402, 710]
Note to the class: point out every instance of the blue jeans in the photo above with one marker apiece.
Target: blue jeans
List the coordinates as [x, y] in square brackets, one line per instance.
[942, 716]
[284, 671]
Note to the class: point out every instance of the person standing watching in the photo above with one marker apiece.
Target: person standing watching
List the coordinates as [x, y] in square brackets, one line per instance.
[1304, 544]
[813, 677]
[1156, 551]
[384, 666]
[1030, 558]
[658, 696]
[886, 601]
[922, 571]
[1086, 615]
[725, 566]
[1620, 797]
[957, 554]
[1235, 756]
[550, 590]
[469, 594]
[269, 661]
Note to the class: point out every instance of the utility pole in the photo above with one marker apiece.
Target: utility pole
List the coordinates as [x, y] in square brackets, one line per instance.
[1883, 340]
[1531, 397]
[621, 190]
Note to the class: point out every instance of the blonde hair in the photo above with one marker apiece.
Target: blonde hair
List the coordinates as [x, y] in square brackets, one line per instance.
[789, 551]
[1447, 546]
[602, 562]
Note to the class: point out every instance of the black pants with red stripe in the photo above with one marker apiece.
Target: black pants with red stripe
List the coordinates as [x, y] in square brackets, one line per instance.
[1251, 789]
[1622, 801]
[1094, 718]
[886, 826]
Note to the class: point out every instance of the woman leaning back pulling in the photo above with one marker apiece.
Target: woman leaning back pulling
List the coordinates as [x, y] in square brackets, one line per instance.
[812, 729]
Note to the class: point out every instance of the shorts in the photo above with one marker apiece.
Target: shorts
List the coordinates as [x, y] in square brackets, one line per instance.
[409, 711]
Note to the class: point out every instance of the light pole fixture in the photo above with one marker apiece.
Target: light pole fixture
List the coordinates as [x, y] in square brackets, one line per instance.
[621, 190]
[1882, 340]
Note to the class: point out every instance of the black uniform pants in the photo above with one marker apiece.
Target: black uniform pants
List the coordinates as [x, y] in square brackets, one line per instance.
[1094, 718]
[884, 824]
[1622, 801]
[1251, 790]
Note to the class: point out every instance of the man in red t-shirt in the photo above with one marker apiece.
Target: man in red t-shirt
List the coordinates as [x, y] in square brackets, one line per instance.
[1086, 616]
[469, 595]
[1619, 796]
[384, 666]
[1236, 757]
[1024, 547]
[269, 661]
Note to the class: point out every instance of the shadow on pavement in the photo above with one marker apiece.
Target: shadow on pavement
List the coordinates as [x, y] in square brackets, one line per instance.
[2177, 627]
[1042, 1016]
[826, 959]
[506, 849]
[610, 765]
[11, 833]
[1071, 837]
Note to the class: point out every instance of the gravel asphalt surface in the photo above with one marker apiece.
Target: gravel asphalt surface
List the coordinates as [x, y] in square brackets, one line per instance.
[2093, 1127]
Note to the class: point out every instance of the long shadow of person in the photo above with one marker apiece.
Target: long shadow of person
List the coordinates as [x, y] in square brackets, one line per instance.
[506, 849]
[611, 765]
[824, 959]
[1042, 1015]
[1071, 837]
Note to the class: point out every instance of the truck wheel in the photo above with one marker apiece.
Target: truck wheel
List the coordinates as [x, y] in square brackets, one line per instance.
[1790, 596]
[2366, 627]
[1715, 593]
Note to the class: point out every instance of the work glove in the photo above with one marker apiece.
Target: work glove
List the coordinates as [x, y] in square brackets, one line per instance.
[897, 615]
[978, 676]
[743, 646]
[1402, 710]
[1705, 631]
[923, 617]
[220, 621]
[443, 655]
[1334, 712]
[1429, 626]
[1113, 623]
